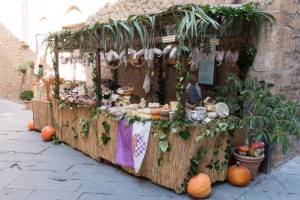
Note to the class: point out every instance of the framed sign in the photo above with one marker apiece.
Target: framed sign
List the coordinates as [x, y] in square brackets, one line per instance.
[206, 65]
[206, 73]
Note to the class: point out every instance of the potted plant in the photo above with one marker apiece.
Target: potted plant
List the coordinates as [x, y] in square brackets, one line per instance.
[30, 63]
[22, 68]
[266, 116]
[26, 96]
[39, 74]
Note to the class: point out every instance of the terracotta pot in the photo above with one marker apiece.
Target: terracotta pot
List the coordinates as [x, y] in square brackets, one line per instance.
[252, 163]
[28, 105]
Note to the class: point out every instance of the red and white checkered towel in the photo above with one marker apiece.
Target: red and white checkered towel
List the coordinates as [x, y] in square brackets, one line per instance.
[140, 134]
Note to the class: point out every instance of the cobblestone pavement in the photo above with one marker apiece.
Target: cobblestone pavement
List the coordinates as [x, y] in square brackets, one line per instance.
[31, 169]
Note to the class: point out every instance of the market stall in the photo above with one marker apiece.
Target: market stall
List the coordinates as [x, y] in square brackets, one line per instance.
[144, 69]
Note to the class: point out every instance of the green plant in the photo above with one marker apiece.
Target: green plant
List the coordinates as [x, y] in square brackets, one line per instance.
[269, 116]
[22, 68]
[29, 63]
[26, 95]
[39, 73]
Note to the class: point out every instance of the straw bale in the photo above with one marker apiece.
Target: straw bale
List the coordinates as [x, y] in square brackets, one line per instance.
[41, 114]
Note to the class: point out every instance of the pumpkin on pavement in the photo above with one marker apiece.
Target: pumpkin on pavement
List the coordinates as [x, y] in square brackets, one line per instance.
[47, 133]
[238, 175]
[199, 186]
[30, 125]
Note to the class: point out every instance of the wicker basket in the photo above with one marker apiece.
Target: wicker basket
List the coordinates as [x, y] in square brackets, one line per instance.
[252, 163]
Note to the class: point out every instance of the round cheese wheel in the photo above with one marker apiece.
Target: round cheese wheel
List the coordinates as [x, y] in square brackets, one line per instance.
[212, 115]
[155, 111]
[164, 118]
[155, 117]
[164, 113]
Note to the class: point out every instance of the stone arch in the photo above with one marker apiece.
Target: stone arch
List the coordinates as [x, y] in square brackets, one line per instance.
[73, 15]
[43, 25]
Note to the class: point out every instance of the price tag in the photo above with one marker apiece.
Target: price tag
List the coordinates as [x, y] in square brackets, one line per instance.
[168, 39]
[214, 41]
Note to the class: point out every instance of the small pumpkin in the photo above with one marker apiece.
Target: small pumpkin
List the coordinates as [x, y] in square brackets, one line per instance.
[254, 145]
[30, 125]
[238, 175]
[199, 186]
[261, 144]
[243, 150]
[47, 133]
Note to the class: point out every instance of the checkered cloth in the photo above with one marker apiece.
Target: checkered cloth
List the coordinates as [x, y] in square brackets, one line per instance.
[140, 135]
[140, 146]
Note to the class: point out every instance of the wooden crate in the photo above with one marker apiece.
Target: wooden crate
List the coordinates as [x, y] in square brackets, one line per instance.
[41, 114]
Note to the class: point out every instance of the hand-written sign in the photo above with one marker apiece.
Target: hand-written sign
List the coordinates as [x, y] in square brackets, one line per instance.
[168, 39]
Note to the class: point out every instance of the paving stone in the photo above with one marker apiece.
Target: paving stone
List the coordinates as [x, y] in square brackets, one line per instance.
[14, 194]
[269, 185]
[72, 159]
[93, 196]
[63, 175]
[20, 146]
[17, 157]
[241, 198]
[226, 191]
[51, 166]
[53, 195]
[275, 196]
[291, 168]
[7, 177]
[258, 195]
[10, 136]
[289, 182]
[62, 149]
[144, 188]
[296, 160]
[5, 165]
[45, 184]
[104, 168]
[101, 176]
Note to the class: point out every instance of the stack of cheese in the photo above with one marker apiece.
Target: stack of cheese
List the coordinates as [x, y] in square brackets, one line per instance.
[122, 100]
[164, 114]
[149, 113]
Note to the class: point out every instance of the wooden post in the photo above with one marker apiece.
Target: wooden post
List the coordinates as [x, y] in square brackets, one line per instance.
[98, 75]
[184, 67]
[56, 71]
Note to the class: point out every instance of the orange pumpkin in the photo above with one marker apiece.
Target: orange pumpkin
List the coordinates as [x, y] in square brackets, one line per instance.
[199, 186]
[30, 125]
[47, 133]
[238, 175]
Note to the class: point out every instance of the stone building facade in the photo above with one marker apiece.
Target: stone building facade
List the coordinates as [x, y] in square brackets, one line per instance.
[13, 52]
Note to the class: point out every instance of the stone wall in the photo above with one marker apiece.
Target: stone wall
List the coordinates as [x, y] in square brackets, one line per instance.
[12, 54]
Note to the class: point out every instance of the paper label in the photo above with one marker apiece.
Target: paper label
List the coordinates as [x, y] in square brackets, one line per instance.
[214, 41]
[168, 39]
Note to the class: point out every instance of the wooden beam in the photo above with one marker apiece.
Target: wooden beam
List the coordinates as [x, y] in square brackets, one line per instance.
[98, 75]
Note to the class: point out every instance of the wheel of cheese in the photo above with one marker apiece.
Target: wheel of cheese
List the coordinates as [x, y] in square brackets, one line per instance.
[155, 111]
[164, 113]
[164, 118]
[155, 117]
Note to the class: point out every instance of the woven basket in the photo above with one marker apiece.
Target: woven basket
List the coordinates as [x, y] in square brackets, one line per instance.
[252, 163]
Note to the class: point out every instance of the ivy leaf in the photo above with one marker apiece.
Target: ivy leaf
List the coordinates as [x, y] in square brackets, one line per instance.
[105, 138]
[155, 134]
[106, 126]
[163, 145]
[162, 135]
[199, 137]
[185, 134]
[174, 130]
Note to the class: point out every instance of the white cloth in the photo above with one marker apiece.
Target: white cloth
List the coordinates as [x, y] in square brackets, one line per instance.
[140, 135]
